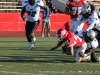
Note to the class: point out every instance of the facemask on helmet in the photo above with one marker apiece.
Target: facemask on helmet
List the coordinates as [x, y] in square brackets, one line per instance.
[86, 11]
[31, 1]
[61, 34]
[89, 36]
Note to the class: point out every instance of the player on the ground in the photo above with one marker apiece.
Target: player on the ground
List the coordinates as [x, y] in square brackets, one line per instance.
[92, 44]
[73, 8]
[71, 40]
[32, 8]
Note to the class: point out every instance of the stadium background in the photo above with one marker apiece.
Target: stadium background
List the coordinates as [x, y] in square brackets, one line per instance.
[11, 24]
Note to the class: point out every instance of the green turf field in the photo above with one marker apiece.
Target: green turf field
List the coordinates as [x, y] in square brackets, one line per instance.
[15, 59]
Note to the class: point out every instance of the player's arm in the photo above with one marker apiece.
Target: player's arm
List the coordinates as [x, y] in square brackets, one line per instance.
[92, 25]
[88, 52]
[70, 50]
[47, 10]
[58, 45]
[22, 13]
[67, 10]
[79, 24]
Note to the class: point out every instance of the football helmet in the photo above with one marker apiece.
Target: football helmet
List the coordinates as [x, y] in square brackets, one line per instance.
[86, 11]
[61, 34]
[31, 1]
[90, 36]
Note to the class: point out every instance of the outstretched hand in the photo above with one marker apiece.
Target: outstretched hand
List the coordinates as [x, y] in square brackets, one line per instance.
[53, 48]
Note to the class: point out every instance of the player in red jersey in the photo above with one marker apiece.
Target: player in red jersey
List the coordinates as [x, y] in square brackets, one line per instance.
[71, 41]
[73, 8]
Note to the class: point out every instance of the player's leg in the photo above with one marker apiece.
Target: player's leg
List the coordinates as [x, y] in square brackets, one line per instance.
[43, 28]
[27, 28]
[48, 28]
[32, 28]
[80, 53]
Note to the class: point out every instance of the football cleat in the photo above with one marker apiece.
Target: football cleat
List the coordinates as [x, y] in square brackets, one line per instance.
[30, 47]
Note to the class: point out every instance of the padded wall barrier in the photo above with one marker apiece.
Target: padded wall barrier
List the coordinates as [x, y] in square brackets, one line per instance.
[13, 22]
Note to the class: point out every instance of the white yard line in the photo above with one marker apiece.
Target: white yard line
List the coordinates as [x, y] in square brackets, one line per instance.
[19, 73]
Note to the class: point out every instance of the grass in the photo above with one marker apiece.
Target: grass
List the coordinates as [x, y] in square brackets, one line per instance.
[15, 59]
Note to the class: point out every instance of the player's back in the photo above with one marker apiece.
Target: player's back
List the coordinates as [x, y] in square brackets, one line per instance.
[73, 40]
[93, 18]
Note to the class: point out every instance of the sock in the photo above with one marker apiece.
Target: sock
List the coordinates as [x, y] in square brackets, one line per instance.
[34, 39]
[99, 58]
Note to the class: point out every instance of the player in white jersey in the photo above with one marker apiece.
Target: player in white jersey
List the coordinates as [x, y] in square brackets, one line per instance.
[89, 17]
[25, 2]
[32, 8]
[92, 44]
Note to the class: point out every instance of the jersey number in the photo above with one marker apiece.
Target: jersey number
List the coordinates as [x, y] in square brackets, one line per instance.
[77, 9]
[77, 38]
[31, 13]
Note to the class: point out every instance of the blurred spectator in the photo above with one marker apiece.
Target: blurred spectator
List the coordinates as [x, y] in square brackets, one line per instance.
[51, 6]
[46, 23]
[98, 13]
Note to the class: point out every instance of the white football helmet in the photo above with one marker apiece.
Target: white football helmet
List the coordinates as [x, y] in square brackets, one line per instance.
[86, 10]
[91, 34]
[61, 34]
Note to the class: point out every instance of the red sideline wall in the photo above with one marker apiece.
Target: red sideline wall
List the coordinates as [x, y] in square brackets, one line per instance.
[11, 24]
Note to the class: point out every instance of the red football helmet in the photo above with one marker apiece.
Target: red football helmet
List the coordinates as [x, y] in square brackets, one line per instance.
[61, 34]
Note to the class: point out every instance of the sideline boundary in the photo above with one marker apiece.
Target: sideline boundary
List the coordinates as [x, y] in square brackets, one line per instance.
[15, 34]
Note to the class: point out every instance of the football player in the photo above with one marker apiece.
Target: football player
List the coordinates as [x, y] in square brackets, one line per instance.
[73, 8]
[71, 40]
[92, 44]
[89, 17]
[32, 8]
[25, 2]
